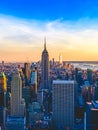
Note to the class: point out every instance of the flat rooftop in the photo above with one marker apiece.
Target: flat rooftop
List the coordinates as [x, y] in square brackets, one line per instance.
[63, 81]
[13, 119]
[93, 105]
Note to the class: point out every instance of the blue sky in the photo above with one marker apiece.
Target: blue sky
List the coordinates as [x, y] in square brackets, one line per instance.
[70, 27]
[50, 9]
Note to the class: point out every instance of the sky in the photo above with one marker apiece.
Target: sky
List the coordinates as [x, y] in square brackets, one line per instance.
[70, 28]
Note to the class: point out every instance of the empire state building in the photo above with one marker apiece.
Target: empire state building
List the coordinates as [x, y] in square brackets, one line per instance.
[45, 67]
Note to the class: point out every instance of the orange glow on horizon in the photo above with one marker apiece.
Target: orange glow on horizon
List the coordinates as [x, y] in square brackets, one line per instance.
[34, 54]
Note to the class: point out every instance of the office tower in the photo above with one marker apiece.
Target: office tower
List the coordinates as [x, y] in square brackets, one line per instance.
[75, 93]
[27, 72]
[63, 103]
[34, 80]
[1, 115]
[26, 94]
[89, 76]
[45, 67]
[3, 86]
[92, 115]
[40, 96]
[3, 82]
[80, 78]
[17, 103]
[96, 91]
[76, 74]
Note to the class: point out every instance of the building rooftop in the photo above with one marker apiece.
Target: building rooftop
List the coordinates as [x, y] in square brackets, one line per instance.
[63, 81]
[93, 105]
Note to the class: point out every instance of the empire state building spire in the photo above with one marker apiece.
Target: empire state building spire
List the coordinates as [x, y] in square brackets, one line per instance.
[44, 43]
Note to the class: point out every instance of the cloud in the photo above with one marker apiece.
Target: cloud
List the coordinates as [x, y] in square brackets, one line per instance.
[62, 36]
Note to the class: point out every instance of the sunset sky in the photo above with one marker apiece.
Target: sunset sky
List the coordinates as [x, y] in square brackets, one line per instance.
[70, 27]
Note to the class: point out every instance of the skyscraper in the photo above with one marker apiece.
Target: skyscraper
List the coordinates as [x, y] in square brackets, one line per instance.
[17, 103]
[27, 72]
[63, 103]
[89, 76]
[45, 67]
[60, 59]
[3, 87]
[3, 80]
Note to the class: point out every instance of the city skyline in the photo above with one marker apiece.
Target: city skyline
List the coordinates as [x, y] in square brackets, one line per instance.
[71, 29]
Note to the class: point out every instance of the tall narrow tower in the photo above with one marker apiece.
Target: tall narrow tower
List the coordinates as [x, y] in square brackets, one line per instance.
[45, 67]
[60, 58]
[17, 103]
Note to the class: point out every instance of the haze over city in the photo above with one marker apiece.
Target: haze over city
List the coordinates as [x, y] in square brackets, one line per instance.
[49, 65]
[70, 27]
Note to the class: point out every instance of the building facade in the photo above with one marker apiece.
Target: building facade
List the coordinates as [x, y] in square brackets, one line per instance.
[34, 80]
[63, 103]
[3, 88]
[17, 103]
[92, 115]
[45, 67]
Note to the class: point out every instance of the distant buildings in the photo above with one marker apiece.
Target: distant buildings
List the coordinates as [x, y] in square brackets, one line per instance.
[60, 59]
[63, 103]
[45, 67]
[17, 103]
[35, 113]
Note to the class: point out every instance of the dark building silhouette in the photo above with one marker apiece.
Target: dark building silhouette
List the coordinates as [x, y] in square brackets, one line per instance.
[92, 115]
[27, 73]
[45, 67]
[96, 91]
[89, 76]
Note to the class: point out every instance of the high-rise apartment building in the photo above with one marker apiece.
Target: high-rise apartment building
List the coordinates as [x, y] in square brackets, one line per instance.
[17, 103]
[45, 67]
[63, 103]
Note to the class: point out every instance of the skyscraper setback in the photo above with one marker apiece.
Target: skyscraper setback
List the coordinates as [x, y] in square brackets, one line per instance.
[45, 67]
